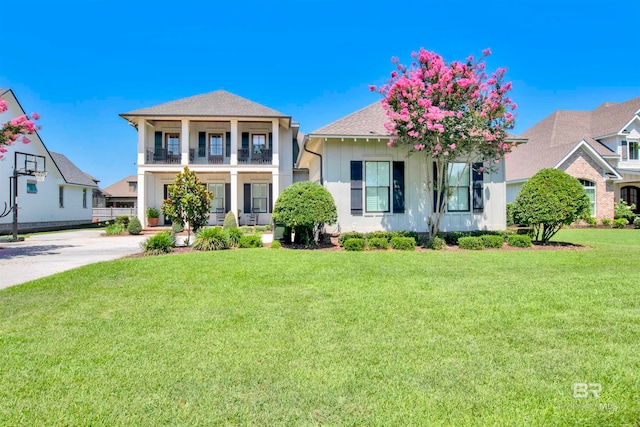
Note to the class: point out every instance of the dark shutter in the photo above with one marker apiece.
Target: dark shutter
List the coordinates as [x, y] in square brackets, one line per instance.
[356, 187]
[245, 140]
[398, 187]
[227, 197]
[247, 198]
[478, 187]
[624, 150]
[296, 151]
[270, 140]
[202, 144]
[158, 145]
[270, 201]
[227, 148]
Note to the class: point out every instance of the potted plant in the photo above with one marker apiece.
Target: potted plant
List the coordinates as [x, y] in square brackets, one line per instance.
[152, 216]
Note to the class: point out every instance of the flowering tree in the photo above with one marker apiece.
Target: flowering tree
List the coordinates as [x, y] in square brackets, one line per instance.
[448, 112]
[16, 128]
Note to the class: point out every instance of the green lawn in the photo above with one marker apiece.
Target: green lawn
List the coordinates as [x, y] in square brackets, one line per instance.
[270, 337]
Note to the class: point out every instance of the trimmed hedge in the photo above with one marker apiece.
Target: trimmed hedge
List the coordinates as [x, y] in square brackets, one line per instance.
[378, 243]
[230, 221]
[620, 223]
[492, 241]
[134, 227]
[519, 241]
[354, 244]
[349, 235]
[247, 242]
[471, 243]
[403, 243]
[437, 244]
[276, 244]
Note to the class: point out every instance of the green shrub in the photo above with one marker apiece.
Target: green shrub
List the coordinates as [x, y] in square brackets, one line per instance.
[437, 243]
[122, 220]
[503, 233]
[235, 234]
[158, 244]
[492, 241]
[378, 243]
[606, 222]
[276, 245]
[114, 229]
[212, 239]
[230, 221]
[548, 201]
[620, 223]
[510, 220]
[134, 227]
[387, 235]
[260, 228]
[177, 227]
[246, 229]
[153, 212]
[349, 235]
[519, 241]
[452, 237]
[356, 244]
[267, 227]
[622, 210]
[591, 221]
[471, 242]
[403, 243]
[304, 208]
[636, 222]
[247, 242]
[413, 234]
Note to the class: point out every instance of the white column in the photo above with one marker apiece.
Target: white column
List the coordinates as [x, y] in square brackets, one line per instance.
[234, 144]
[184, 142]
[142, 139]
[276, 143]
[275, 181]
[234, 192]
[142, 199]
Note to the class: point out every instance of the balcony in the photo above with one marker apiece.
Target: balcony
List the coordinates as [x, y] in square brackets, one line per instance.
[245, 156]
[162, 156]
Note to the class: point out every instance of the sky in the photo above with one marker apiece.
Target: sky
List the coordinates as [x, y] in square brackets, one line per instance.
[81, 63]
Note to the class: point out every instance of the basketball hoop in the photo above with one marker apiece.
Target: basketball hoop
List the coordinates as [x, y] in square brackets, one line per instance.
[40, 175]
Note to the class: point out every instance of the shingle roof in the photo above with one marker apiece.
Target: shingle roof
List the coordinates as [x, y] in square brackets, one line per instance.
[70, 172]
[557, 134]
[368, 121]
[121, 188]
[219, 103]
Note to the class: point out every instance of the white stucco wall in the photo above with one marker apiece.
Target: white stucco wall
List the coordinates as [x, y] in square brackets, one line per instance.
[337, 157]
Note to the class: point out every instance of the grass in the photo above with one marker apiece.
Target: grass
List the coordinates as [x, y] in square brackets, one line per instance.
[284, 337]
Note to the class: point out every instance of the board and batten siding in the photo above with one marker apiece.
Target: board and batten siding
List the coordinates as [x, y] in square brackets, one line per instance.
[337, 157]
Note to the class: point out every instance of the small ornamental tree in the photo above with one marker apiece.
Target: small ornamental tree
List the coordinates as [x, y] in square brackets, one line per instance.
[304, 208]
[448, 112]
[549, 200]
[188, 201]
[15, 129]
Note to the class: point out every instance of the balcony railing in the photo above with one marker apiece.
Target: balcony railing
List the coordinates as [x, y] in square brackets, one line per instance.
[162, 156]
[245, 156]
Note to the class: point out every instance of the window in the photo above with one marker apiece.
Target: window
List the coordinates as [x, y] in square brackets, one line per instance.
[217, 205]
[84, 198]
[133, 186]
[633, 150]
[377, 184]
[259, 142]
[260, 194]
[459, 180]
[590, 188]
[61, 196]
[173, 143]
[32, 187]
[215, 145]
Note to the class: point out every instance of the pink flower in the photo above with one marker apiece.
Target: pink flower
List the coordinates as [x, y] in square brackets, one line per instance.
[419, 147]
[372, 88]
[481, 169]
[35, 116]
[3, 105]
[452, 146]
[486, 52]
[25, 140]
[390, 143]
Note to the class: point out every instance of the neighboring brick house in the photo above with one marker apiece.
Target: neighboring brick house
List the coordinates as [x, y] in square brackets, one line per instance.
[600, 148]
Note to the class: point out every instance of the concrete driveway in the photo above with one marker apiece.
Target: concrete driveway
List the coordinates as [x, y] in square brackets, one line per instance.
[45, 254]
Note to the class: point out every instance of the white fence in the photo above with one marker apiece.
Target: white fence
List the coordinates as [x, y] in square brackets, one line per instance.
[105, 214]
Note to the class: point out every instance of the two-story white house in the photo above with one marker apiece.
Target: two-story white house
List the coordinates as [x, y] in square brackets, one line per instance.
[241, 150]
[601, 148]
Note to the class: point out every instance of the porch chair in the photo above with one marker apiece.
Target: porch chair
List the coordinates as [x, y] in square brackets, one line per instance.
[252, 219]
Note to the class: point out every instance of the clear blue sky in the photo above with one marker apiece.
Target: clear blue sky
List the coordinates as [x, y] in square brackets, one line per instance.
[81, 63]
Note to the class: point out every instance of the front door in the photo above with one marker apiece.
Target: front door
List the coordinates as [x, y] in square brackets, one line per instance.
[631, 195]
[167, 220]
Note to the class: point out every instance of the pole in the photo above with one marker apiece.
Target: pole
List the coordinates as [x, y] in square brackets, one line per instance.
[15, 204]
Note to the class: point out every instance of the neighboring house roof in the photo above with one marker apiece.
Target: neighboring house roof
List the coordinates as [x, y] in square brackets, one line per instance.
[121, 188]
[70, 172]
[219, 103]
[368, 121]
[551, 139]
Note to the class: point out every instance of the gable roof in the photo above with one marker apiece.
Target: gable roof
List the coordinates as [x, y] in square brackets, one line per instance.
[121, 188]
[70, 172]
[368, 121]
[551, 139]
[219, 103]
